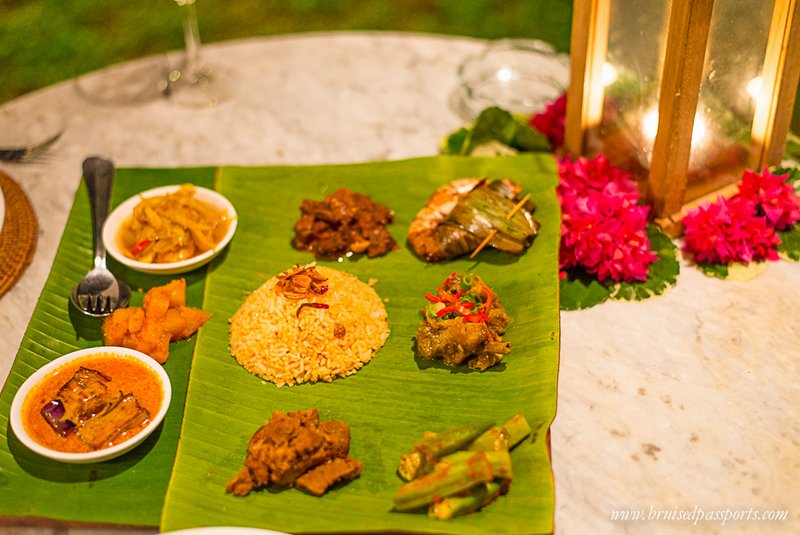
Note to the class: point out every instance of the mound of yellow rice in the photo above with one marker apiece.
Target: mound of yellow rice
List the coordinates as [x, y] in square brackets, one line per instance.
[270, 339]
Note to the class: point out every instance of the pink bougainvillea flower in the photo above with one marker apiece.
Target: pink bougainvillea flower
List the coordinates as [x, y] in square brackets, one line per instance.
[575, 178]
[729, 230]
[603, 226]
[774, 197]
[550, 121]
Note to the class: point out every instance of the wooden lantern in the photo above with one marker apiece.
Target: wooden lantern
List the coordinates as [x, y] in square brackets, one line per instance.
[684, 46]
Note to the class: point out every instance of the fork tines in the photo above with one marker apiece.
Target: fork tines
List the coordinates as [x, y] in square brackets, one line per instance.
[29, 153]
[96, 304]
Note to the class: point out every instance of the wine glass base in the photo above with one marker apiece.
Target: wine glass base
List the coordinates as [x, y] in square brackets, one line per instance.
[206, 88]
[123, 85]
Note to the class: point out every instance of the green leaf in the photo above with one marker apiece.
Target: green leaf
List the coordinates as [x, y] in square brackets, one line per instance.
[793, 172]
[454, 143]
[734, 270]
[790, 243]
[792, 149]
[394, 398]
[578, 291]
[131, 488]
[789, 247]
[493, 124]
[497, 124]
[495, 131]
[663, 273]
[223, 405]
[719, 271]
[528, 139]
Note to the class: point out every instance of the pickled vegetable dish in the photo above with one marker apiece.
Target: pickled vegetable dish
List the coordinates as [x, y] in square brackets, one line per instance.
[171, 228]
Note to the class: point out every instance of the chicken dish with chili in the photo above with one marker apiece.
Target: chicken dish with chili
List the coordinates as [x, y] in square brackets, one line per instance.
[463, 323]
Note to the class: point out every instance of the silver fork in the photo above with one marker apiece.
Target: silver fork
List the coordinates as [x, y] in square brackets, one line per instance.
[28, 153]
[100, 292]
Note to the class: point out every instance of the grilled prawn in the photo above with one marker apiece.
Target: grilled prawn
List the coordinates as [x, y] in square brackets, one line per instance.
[463, 213]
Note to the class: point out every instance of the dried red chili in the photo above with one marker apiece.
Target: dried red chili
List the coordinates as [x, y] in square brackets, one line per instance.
[312, 305]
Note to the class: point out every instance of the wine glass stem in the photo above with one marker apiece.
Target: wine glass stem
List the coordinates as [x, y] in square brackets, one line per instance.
[191, 35]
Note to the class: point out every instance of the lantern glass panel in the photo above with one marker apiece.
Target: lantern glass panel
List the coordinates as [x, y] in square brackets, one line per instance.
[737, 44]
[637, 40]
[632, 76]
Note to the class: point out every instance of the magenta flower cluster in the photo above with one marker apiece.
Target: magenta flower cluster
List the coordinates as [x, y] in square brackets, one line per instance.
[602, 223]
[775, 198]
[743, 228]
[550, 121]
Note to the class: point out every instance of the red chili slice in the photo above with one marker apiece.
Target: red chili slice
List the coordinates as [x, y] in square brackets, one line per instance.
[489, 301]
[476, 318]
[319, 290]
[433, 298]
[446, 310]
[448, 297]
[139, 247]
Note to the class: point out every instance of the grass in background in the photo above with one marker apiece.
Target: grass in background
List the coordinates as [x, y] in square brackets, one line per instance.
[46, 41]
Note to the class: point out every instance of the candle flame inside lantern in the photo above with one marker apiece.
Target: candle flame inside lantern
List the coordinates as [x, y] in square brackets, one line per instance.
[650, 127]
[608, 74]
[754, 87]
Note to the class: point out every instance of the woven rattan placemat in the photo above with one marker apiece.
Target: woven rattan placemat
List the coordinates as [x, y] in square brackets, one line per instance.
[18, 235]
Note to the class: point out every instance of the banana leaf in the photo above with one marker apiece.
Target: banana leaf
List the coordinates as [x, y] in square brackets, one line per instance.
[127, 490]
[395, 398]
[388, 404]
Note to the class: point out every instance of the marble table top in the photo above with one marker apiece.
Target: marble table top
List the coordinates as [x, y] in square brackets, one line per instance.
[684, 404]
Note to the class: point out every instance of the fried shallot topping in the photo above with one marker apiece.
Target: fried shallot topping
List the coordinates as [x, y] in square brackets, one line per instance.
[301, 283]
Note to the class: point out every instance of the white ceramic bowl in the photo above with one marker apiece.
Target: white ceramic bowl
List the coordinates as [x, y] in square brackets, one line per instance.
[518, 75]
[98, 455]
[123, 211]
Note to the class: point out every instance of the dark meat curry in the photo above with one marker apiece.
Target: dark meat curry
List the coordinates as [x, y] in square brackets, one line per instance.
[296, 449]
[342, 224]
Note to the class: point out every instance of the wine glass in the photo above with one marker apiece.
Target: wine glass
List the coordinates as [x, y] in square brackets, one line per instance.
[195, 83]
[129, 84]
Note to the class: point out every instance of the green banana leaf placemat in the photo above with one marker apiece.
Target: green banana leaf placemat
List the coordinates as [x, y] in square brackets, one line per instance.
[388, 404]
[392, 400]
[130, 489]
